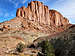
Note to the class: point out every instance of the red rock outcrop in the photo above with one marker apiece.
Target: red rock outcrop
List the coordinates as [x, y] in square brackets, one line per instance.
[37, 18]
[36, 11]
[57, 19]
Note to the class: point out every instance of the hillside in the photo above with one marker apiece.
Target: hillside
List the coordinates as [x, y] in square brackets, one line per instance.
[63, 43]
[32, 25]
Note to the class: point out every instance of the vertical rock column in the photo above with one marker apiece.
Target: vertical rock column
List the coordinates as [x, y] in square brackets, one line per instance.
[29, 13]
[58, 19]
[47, 16]
[23, 8]
[36, 11]
[43, 15]
[18, 13]
[40, 12]
[32, 7]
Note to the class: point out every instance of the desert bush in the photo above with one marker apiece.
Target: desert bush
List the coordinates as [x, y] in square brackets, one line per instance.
[20, 47]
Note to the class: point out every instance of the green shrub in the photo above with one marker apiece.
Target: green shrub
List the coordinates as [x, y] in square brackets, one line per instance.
[20, 47]
[47, 48]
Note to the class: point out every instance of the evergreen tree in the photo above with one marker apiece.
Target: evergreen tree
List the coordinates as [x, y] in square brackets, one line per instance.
[47, 48]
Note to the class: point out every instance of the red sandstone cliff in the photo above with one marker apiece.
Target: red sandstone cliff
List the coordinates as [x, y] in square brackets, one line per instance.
[36, 11]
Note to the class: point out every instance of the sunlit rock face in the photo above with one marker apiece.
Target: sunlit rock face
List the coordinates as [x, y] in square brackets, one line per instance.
[37, 18]
[57, 19]
[36, 11]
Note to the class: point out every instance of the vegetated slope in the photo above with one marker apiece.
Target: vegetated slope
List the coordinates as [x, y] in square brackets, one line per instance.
[9, 40]
[63, 43]
[8, 44]
[69, 32]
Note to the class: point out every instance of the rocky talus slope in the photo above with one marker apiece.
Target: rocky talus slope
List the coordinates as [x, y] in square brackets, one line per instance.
[31, 23]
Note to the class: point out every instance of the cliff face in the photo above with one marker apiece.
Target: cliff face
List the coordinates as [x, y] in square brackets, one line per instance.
[36, 11]
[37, 18]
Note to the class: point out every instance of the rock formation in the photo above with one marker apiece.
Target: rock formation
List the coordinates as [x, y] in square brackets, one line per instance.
[36, 11]
[32, 25]
[37, 18]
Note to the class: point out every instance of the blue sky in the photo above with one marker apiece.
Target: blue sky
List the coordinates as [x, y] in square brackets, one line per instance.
[65, 7]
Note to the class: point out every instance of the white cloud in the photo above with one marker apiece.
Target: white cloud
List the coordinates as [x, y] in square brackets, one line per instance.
[14, 2]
